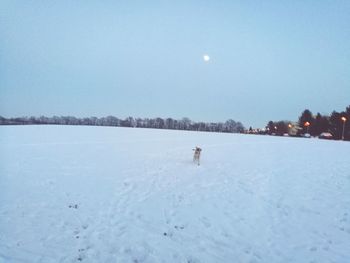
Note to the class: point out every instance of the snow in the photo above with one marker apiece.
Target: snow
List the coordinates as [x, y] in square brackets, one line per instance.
[104, 194]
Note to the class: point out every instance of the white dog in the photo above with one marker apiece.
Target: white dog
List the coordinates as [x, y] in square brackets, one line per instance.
[197, 155]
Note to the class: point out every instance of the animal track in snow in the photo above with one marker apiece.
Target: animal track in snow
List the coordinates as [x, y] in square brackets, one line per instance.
[205, 222]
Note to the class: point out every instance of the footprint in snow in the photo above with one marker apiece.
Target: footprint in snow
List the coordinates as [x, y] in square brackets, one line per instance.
[192, 260]
[343, 222]
[313, 249]
[168, 234]
[344, 218]
[205, 222]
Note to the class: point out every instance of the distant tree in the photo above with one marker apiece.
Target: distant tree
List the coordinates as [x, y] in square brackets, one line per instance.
[56, 120]
[159, 122]
[176, 124]
[278, 128]
[93, 120]
[282, 127]
[138, 122]
[270, 127]
[230, 125]
[347, 123]
[336, 125]
[306, 116]
[3, 121]
[128, 122]
[32, 120]
[239, 127]
[169, 123]
[201, 126]
[321, 124]
[145, 123]
[185, 122]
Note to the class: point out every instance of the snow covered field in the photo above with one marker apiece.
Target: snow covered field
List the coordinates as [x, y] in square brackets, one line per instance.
[103, 194]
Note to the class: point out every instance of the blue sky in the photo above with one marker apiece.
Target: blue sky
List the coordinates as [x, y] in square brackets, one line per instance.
[269, 59]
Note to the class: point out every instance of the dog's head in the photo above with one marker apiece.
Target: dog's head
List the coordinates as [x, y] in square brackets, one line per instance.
[197, 149]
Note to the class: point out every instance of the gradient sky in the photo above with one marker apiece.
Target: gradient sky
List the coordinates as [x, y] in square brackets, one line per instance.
[269, 59]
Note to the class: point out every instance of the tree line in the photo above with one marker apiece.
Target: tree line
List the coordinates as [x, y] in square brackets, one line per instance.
[230, 126]
[315, 124]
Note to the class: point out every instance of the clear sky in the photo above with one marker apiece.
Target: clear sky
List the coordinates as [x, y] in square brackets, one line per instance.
[269, 60]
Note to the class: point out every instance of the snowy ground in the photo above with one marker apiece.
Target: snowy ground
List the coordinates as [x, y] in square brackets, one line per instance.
[102, 194]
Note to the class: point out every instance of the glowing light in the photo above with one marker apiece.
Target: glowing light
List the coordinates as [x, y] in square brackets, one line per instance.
[206, 58]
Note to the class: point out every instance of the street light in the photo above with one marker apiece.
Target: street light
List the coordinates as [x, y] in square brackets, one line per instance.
[307, 124]
[344, 120]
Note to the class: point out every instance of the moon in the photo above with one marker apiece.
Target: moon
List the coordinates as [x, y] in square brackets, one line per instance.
[206, 58]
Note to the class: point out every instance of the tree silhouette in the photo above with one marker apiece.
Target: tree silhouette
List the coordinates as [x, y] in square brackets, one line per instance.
[306, 116]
